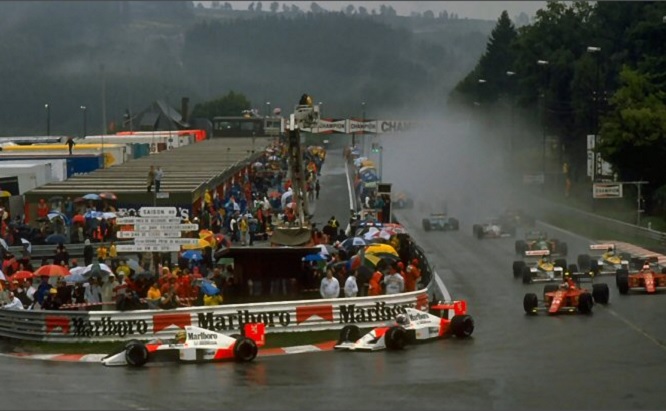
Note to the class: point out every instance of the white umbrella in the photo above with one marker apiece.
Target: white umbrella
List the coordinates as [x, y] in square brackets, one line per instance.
[372, 233]
[323, 249]
[77, 270]
[2, 276]
[108, 215]
[3, 243]
[105, 270]
[27, 244]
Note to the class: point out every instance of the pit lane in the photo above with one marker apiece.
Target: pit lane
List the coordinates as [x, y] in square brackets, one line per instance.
[609, 360]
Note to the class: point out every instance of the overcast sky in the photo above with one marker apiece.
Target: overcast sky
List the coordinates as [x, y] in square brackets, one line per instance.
[487, 10]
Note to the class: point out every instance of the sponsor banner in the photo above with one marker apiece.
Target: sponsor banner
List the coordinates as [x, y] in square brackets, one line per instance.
[147, 234]
[147, 220]
[170, 227]
[166, 241]
[607, 190]
[394, 126]
[140, 248]
[158, 211]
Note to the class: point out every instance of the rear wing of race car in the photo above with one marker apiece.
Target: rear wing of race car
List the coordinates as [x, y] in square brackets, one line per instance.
[536, 253]
[459, 307]
[604, 247]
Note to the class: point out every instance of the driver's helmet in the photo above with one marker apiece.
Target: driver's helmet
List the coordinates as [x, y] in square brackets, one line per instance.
[564, 286]
[646, 267]
[181, 336]
[402, 319]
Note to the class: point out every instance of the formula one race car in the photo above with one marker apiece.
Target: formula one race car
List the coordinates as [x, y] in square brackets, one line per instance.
[605, 264]
[517, 217]
[402, 200]
[412, 326]
[494, 229]
[538, 267]
[193, 344]
[645, 280]
[567, 297]
[440, 221]
[538, 240]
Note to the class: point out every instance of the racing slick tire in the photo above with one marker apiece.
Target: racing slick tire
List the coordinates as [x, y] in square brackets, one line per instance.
[349, 333]
[619, 273]
[527, 275]
[121, 348]
[594, 267]
[396, 338]
[454, 223]
[518, 268]
[573, 268]
[561, 262]
[600, 293]
[136, 353]
[478, 231]
[622, 283]
[521, 246]
[245, 350]
[584, 262]
[562, 248]
[426, 224]
[462, 326]
[530, 303]
[585, 303]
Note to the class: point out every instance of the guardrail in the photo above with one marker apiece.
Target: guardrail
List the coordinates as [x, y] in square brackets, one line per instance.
[598, 226]
[285, 316]
[75, 250]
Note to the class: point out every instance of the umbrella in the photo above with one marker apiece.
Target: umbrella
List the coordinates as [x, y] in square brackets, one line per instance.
[327, 249]
[79, 218]
[274, 194]
[209, 288]
[3, 243]
[5, 193]
[51, 270]
[57, 214]
[371, 233]
[314, 257]
[77, 270]
[193, 255]
[144, 275]
[380, 248]
[27, 245]
[55, 198]
[200, 244]
[97, 270]
[22, 275]
[75, 278]
[258, 164]
[91, 196]
[56, 239]
[221, 239]
[134, 265]
[79, 200]
[207, 235]
[108, 215]
[93, 214]
[2, 276]
[108, 196]
[353, 242]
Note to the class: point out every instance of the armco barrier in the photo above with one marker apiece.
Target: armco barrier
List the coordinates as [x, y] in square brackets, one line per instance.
[285, 316]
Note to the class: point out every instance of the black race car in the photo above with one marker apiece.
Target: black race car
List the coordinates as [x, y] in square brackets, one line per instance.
[440, 221]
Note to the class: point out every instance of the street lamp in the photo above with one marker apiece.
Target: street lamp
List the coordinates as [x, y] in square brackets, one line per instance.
[83, 110]
[511, 119]
[597, 95]
[268, 109]
[48, 119]
[543, 125]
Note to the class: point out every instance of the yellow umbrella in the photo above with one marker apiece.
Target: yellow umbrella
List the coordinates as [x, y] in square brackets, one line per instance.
[208, 236]
[5, 193]
[367, 163]
[380, 248]
[200, 244]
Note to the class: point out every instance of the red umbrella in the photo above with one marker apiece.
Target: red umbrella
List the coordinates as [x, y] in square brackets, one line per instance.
[79, 200]
[21, 275]
[108, 196]
[79, 218]
[221, 239]
[52, 270]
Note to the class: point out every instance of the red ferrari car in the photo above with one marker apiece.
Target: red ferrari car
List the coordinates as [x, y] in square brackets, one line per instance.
[567, 297]
[644, 280]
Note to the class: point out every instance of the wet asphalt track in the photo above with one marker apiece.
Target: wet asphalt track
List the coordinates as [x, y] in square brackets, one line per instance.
[613, 359]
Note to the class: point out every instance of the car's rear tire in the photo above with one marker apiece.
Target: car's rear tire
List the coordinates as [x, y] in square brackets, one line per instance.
[530, 303]
[426, 224]
[136, 354]
[619, 273]
[573, 268]
[622, 283]
[585, 303]
[462, 326]
[455, 224]
[521, 246]
[562, 248]
[594, 267]
[527, 275]
[349, 333]
[600, 293]
[245, 350]
[584, 262]
[396, 338]
[518, 268]
[561, 262]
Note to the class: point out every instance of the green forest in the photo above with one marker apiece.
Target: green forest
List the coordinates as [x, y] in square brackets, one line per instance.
[583, 69]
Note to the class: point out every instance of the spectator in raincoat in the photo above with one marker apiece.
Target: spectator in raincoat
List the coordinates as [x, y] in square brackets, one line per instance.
[375, 283]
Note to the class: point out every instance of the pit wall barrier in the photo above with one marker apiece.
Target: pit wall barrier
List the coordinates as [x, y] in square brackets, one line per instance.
[284, 316]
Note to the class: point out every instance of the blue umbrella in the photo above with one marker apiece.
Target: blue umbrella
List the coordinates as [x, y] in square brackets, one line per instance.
[208, 288]
[54, 214]
[314, 257]
[92, 196]
[193, 255]
[56, 239]
[75, 278]
[93, 214]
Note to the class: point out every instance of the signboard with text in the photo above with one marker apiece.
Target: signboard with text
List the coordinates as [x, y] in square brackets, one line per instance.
[607, 190]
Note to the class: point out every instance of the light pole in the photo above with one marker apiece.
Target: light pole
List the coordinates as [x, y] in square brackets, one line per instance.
[481, 82]
[83, 110]
[268, 109]
[543, 63]
[597, 94]
[48, 119]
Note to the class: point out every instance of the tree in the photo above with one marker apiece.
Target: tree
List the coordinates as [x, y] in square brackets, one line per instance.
[259, 6]
[232, 104]
[274, 7]
[633, 135]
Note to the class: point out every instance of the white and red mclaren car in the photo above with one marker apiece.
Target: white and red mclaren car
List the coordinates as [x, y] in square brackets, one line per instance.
[411, 327]
[193, 345]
